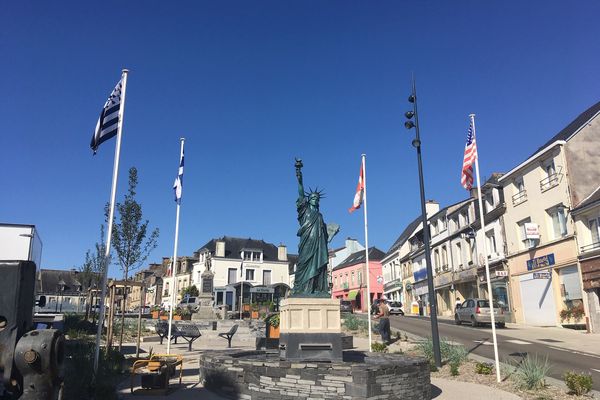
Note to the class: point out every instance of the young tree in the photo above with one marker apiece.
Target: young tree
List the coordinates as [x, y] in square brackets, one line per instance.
[192, 291]
[130, 237]
[90, 273]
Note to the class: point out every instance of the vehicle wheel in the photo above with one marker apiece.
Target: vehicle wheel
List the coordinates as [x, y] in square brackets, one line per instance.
[500, 325]
[402, 313]
[456, 319]
[474, 323]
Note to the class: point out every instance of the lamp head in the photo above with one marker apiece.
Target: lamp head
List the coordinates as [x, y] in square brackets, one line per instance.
[411, 98]
[409, 114]
[409, 124]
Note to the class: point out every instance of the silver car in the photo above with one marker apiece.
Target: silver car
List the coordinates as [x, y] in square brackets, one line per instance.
[477, 312]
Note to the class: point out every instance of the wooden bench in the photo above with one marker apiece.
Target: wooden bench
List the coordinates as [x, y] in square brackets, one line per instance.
[187, 332]
[229, 335]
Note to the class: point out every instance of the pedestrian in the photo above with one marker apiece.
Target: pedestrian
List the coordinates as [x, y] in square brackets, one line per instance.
[457, 303]
[384, 322]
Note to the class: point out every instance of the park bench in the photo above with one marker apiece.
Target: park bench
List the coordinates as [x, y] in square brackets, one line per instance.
[156, 371]
[187, 332]
[229, 335]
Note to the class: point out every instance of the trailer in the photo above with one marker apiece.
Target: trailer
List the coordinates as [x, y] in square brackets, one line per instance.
[20, 243]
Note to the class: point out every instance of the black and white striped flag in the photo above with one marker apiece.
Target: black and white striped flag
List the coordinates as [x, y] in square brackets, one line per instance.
[108, 123]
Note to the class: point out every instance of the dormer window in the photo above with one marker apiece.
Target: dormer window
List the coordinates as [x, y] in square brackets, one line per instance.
[252, 255]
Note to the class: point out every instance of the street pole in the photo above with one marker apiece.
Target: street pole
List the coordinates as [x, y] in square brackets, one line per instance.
[435, 337]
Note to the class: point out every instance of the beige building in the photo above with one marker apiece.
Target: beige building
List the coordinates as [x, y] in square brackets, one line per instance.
[540, 232]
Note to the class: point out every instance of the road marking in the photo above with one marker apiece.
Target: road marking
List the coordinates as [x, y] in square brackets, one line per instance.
[484, 342]
[594, 369]
[515, 341]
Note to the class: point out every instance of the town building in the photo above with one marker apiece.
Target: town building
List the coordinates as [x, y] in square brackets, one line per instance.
[540, 233]
[349, 278]
[180, 278]
[151, 294]
[65, 290]
[262, 268]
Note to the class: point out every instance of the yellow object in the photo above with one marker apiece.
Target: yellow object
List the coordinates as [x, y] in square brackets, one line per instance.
[155, 365]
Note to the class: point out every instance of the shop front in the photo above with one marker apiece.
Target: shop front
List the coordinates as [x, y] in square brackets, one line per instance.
[500, 288]
[443, 286]
[465, 284]
[421, 291]
[590, 273]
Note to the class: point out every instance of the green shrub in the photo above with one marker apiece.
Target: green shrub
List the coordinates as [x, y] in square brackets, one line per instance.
[484, 368]
[379, 347]
[578, 383]
[531, 373]
[353, 323]
[450, 353]
[454, 369]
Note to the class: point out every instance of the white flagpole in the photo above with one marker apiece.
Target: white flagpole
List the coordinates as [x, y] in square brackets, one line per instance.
[364, 173]
[111, 216]
[485, 255]
[174, 264]
[241, 288]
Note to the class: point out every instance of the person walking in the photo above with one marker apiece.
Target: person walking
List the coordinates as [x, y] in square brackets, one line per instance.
[457, 303]
[384, 322]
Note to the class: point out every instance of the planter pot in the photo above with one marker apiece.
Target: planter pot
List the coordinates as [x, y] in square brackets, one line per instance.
[164, 317]
[154, 314]
[273, 332]
[177, 318]
[254, 315]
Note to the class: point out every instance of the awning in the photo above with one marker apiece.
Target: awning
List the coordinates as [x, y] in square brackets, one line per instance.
[352, 294]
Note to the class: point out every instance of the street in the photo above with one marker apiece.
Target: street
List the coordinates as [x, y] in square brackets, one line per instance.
[479, 341]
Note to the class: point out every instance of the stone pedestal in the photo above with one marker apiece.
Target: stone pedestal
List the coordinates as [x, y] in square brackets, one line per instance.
[310, 329]
[206, 310]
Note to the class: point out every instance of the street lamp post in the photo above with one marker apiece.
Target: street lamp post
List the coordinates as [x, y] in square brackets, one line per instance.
[409, 124]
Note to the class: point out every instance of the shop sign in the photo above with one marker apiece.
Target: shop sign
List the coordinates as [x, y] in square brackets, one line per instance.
[532, 230]
[262, 290]
[542, 275]
[540, 262]
[501, 273]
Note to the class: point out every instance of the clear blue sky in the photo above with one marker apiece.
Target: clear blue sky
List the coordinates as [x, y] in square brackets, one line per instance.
[252, 84]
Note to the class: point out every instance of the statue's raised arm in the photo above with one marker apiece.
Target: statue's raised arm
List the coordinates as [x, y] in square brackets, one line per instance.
[299, 176]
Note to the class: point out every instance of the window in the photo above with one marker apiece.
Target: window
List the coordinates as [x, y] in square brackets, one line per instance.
[491, 243]
[436, 258]
[459, 254]
[266, 277]
[527, 243]
[247, 255]
[559, 221]
[359, 278]
[232, 276]
[520, 194]
[489, 201]
[256, 256]
[444, 256]
[442, 224]
[352, 279]
[249, 274]
[594, 229]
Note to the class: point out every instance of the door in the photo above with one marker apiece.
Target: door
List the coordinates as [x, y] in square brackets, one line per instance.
[229, 300]
[537, 300]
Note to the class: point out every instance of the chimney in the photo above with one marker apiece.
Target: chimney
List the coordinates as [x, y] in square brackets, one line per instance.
[431, 207]
[220, 248]
[282, 252]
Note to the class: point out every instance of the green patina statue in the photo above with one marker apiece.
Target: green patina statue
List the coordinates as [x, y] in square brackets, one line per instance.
[311, 278]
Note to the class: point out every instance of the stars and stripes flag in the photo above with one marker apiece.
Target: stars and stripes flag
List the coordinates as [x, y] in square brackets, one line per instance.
[360, 190]
[178, 184]
[469, 158]
[108, 123]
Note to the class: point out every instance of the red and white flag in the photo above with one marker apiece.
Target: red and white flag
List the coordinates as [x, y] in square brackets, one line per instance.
[360, 190]
[469, 157]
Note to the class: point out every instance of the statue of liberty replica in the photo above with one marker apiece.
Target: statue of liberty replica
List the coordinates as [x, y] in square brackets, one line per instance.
[311, 278]
[310, 319]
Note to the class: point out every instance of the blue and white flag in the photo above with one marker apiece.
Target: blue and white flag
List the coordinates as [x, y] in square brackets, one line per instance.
[178, 185]
[108, 123]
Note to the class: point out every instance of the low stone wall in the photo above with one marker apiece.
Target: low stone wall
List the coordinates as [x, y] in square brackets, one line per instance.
[261, 375]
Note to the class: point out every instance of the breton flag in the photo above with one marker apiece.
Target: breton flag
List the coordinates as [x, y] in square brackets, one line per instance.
[468, 159]
[178, 185]
[360, 190]
[108, 123]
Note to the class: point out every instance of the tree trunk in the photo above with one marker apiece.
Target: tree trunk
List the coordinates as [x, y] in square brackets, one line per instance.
[123, 308]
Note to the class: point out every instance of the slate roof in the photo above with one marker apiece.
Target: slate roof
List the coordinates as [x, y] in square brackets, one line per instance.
[593, 198]
[234, 246]
[49, 280]
[359, 257]
[404, 235]
[570, 129]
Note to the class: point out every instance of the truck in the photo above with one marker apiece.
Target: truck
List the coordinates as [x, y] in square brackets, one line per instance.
[20, 242]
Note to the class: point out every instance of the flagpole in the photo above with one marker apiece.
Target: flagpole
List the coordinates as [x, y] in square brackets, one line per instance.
[364, 171]
[174, 265]
[111, 216]
[485, 256]
[241, 288]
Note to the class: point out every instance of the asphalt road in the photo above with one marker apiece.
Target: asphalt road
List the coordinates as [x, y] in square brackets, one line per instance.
[479, 341]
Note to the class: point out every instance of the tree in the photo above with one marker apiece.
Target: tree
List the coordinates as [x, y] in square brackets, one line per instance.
[90, 273]
[130, 237]
[192, 291]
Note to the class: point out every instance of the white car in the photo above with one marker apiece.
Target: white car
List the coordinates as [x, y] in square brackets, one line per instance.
[395, 307]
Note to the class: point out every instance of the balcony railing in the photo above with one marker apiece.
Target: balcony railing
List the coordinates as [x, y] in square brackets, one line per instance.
[590, 247]
[551, 180]
[519, 197]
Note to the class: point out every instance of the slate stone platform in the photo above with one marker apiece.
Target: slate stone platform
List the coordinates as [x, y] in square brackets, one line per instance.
[262, 375]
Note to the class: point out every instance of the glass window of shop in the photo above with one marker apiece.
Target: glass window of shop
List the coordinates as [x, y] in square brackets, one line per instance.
[570, 289]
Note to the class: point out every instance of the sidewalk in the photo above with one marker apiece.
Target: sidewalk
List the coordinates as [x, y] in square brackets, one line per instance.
[441, 389]
[552, 336]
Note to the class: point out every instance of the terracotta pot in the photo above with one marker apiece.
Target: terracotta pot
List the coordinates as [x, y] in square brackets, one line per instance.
[254, 315]
[273, 332]
[177, 318]
[164, 317]
[154, 314]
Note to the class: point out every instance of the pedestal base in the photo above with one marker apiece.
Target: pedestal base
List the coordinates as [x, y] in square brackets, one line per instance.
[310, 329]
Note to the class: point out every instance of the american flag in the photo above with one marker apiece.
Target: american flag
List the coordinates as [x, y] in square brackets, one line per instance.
[108, 123]
[469, 158]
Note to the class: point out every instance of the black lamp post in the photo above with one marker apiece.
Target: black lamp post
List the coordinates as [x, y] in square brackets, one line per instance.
[409, 124]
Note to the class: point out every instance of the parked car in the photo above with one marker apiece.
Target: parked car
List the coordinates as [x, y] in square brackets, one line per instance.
[477, 312]
[346, 306]
[192, 302]
[395, 307]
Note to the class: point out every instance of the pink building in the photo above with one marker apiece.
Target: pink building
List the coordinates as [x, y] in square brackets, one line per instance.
[349, 278]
